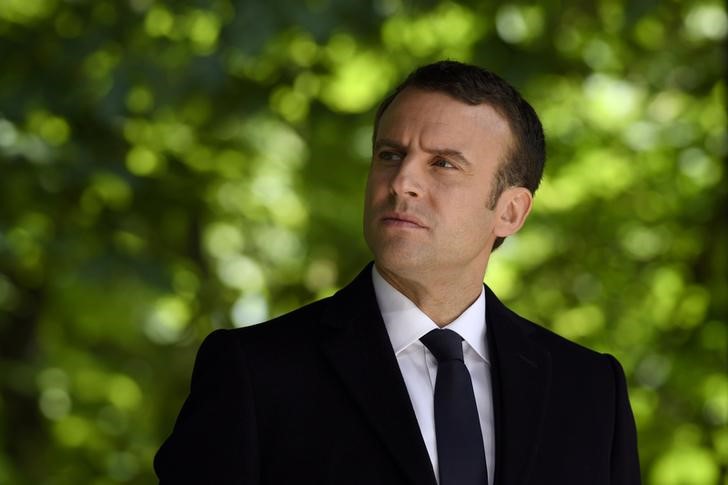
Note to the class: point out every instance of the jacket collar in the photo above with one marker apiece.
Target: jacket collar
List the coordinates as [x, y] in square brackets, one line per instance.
[521, 377]
[357, 345]
[355, 341]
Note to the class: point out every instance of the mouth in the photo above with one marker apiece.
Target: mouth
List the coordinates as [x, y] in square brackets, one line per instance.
[397, 219]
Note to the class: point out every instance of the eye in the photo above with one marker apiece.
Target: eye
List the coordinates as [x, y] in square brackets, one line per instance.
[442, 163]
[389, 156]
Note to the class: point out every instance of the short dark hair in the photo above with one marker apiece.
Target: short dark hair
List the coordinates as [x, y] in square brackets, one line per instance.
[524, 162]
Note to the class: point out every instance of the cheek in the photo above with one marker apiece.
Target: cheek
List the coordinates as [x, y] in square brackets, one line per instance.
[372, 197]
[474, 214]
[377, 185]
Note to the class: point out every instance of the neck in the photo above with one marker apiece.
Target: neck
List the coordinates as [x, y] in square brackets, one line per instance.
[443, 298]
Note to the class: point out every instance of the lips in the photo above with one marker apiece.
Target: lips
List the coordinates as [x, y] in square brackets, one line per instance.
[402, 220]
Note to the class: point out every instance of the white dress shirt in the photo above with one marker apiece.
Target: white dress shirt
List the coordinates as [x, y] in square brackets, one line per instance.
[405, 325]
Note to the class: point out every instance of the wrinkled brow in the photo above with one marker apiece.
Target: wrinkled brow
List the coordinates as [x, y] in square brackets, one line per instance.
[444, 152]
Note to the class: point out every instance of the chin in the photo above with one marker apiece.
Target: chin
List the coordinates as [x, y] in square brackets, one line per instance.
[401, 262]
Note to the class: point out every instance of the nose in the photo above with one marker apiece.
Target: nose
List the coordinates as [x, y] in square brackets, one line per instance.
[407, 180]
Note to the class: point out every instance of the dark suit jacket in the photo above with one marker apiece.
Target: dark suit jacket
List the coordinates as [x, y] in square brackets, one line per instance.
[316, 397]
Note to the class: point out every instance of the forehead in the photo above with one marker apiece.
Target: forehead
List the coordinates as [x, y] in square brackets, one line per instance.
[417, 115]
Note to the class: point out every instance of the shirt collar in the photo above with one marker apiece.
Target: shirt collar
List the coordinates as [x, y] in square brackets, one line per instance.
[405, 323]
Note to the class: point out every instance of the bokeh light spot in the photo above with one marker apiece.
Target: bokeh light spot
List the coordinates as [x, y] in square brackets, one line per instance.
[610, 102]
[242, 273]
[715, 392]
[53, 129]
[707, 22]
[54, 403]
[111, 189]
[124, 392]
[699, 167]
[249, 309]
[72, 431]
[222, 239]
[139, 99]
[685, 465]
[168, 319]
[142, 161]
[653, 370]
[291, 104]
[321, 273]
[159, 21]
[358, 82]
[122, 466]
[579, 322]
[519, 23]
[203, 29]
[302, 49]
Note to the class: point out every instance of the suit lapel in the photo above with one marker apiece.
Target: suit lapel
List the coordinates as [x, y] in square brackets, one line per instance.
[356, 343]
[521, 374]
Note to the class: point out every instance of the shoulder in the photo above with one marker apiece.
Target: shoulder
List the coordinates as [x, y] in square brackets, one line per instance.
[566, 356]
[575, 362]
[307, 323]
[559, 346]
[291, 326]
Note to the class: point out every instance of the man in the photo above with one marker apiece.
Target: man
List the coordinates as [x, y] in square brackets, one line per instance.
[415, 373]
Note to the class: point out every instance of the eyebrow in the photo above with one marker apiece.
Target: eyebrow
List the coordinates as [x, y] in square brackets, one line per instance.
[447, 152]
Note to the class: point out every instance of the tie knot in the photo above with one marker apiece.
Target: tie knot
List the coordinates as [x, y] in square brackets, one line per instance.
[444, 344]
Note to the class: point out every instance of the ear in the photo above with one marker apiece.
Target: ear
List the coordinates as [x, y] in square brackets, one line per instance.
[513, 207]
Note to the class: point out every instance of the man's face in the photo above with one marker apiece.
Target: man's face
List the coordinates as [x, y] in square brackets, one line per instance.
[427, 197]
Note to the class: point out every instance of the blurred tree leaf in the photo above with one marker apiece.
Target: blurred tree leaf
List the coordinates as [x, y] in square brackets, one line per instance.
[170, 168]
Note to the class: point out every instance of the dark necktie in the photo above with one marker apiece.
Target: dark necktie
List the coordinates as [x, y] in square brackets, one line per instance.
[460, 452]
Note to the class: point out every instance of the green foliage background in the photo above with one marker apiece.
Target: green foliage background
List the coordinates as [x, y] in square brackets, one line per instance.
[168, 168]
